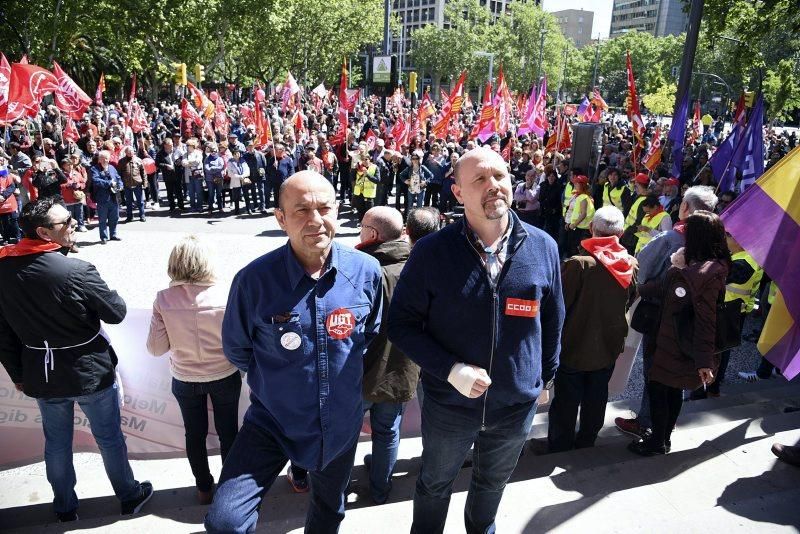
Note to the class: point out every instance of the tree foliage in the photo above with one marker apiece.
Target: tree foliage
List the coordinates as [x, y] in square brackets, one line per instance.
[662, 100]
[236, 40]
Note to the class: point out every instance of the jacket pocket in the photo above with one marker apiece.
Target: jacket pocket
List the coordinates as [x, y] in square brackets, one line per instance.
[280, 344]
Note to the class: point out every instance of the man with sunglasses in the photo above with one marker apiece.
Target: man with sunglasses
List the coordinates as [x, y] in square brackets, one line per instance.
[54, 350]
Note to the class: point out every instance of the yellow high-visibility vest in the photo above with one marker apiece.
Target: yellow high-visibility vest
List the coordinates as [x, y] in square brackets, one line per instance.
[746, 291]
[612, 196]
[630, 220]
[576, 211]
[364, 186]
[567, 197]
[652, 223]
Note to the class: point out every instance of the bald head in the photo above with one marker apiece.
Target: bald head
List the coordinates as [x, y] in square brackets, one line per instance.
[304, 182]
[388, 222]
[482, 158]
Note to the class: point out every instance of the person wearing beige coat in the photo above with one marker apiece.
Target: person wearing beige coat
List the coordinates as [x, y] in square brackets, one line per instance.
[187, 322]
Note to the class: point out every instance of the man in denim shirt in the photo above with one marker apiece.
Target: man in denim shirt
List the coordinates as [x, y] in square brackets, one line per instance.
[298, 321]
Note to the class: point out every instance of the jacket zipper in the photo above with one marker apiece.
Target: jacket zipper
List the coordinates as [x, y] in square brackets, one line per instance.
[491, 352]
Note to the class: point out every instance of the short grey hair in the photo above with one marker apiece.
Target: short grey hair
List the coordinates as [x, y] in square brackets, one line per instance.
[700, 197]
[608, 221]
[104, 154]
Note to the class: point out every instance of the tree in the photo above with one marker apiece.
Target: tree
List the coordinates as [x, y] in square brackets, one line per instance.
[782, 89]
[662, 101]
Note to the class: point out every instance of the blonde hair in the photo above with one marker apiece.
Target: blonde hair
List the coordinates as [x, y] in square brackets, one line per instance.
[190, 261]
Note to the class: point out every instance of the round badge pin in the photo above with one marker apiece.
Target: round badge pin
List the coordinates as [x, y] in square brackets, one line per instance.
[679, 291]
[340, 323]
[290, 341]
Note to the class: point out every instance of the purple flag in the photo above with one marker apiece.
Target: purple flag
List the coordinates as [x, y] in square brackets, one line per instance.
[677, 134]
[583, 107]
[720, 162]
[749, 154]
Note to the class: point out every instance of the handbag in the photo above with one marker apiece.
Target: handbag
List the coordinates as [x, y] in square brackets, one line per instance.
[728, 333]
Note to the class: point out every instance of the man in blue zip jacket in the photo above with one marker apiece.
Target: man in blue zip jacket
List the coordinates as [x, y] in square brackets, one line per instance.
[298, 321]
[479, 307]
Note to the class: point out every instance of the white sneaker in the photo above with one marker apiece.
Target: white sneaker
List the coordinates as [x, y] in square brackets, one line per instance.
[749, 376]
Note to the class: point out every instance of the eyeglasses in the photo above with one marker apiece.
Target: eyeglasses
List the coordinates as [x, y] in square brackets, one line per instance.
[66, 222]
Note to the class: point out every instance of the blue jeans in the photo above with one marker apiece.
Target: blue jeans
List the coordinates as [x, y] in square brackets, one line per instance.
[447, 435]
[415, 200]
[648, 349]
[76, 210]
[253, 464]
[214, 193]
[385, 419]
[102, 410]
[196, 194]
[271, 188]
[108, 216]
[130, 194]
[258, 187]
[192, 398]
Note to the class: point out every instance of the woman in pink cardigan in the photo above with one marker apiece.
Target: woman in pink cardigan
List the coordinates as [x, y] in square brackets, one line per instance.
[187, 320]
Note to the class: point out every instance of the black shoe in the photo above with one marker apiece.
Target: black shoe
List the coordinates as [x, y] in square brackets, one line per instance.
[129, 219]
[142, 219]
[643, 448]
[103, 241]
[133, 506]
[115, 238]
[66, 517]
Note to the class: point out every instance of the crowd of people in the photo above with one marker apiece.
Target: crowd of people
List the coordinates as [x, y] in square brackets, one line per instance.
[527, 290]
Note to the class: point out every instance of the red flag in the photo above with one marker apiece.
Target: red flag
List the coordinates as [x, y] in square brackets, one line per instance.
[189, 114]
[132, 94]
[5, 80]
[451, 108]
[290, 88]
[653, 156]
[70, 98]
[697, 126]
[201, 101]
[400, 132]
[24, 60]
[370, 139]
[221, 123]
[138, 120]
[486, 125]
[101, 88]
[634, 115]
[509, 148]
[263, 127]
[502, 105]
[426, 109]
[300, 132]
[70, 131]
[29, 84]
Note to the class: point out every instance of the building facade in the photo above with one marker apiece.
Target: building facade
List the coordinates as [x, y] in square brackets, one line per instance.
[657, 17]
[414, 14]
[576, 24]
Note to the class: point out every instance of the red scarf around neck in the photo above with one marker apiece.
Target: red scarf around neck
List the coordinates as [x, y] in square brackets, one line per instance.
[26, 247]
[612, 256]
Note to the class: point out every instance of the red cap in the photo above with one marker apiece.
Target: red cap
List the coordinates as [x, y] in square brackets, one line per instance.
[642, 178]
[580, 179]
[672, 181]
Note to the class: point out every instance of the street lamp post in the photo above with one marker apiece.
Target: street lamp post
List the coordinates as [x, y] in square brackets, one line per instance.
[596, 60]
[542, 33]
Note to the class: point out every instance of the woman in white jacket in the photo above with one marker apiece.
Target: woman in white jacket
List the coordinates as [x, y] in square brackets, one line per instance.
[239, 174]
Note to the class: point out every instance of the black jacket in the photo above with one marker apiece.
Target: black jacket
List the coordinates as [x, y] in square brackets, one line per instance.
[50, 297]
[389, 376]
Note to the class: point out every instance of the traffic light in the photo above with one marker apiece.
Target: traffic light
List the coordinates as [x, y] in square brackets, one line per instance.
[749, 96]
[180, 73]
[412, 82]
[199, 73]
